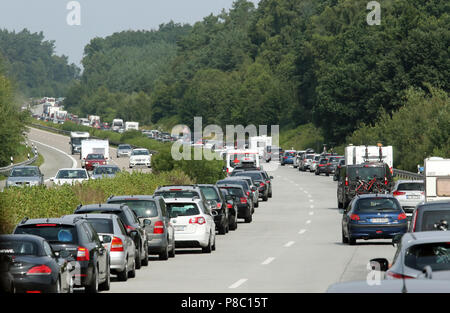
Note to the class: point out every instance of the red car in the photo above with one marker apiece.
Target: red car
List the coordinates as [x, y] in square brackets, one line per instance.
[93, 160]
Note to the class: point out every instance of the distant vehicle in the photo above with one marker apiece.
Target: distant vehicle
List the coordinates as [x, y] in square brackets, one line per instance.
[131, 126]
[124, 150]
[287, 157]
[272, 153]
[75, 141]
[333, 162]
[422, 255]
[134, 228]
[93, 160]
[117, 124]
[244, 204]
[259, 181]
[437, 179]
[253, 188]
[359, 154]
[338, 168]
[305, 163]
[430, 216]
[193, 223]
[238, 157]
[314, 162]
[94, 146]
[260, 143]
[140, 156]
[70, 176]
[298, 158]
[33, 265]
[182, 191]
[84, 122]
[21, 176]
[94, 120]
[152, 213]
[409, 193]
[322, 166]
[373, 216]
[102, 171]
[74, 239]
[112, 232]
[231, 202]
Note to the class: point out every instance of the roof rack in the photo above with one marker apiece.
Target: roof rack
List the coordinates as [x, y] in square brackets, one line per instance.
[24, 220]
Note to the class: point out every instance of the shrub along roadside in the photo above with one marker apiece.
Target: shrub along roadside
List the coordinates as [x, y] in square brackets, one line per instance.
[43, 202]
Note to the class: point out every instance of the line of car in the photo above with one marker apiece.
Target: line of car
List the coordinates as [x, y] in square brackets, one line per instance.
[83, 249]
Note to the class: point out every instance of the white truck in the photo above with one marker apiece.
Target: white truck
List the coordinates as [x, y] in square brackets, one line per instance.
[131, 126]
[117, 124]
[237, 157]
[75, 140]
[93, 119]
[437, 179]
[94, 146]
[259, 143]
[84, 121]
[357, 155]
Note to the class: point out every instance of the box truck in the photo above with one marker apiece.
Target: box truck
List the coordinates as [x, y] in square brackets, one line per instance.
[131, 126]
[437, 179]
[94, 146]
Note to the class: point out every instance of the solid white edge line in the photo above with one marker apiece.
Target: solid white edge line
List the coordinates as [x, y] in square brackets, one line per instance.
[238, 283]
[268, 260]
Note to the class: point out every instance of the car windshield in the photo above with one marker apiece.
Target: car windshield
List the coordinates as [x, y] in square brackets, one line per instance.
[411, 187]
[210, 193]
[436, 255]
[177, 194]
[368, 205]
[182, 209]
[431, 218]
[71, 174]
[94, 156]
[18, 247]
[77, 140]
[124, 147]
[102, 225]
[365, 173]
[24, 172]
[234, 191]
[53, 233]
[142, 208]
[106, 170]
[140, 152]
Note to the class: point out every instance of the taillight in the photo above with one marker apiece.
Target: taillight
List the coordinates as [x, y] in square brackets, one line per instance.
[385, 180]
[248, 193]
[229, 206]
[261, 185]
[243, 200]
[116, 245]
[354, 217]
[398, 193]
[82, 254]
[40, 270]
[267, 181]
[346, 181]
[219, 205]
[33, 291]
[158, 228]
[401, 216]
[197, 220]
[131, 227]
[398, 276]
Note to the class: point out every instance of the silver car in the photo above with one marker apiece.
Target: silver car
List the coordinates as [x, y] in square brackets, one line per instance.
[113, 234]
[409, 193]
[21, 176]
[102, 171]
[423, 255]
[124, 150]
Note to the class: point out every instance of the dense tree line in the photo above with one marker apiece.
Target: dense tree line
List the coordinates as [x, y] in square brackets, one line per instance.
[30, 62]
[286, 62]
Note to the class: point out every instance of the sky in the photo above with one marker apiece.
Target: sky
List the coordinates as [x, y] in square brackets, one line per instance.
[99, 18]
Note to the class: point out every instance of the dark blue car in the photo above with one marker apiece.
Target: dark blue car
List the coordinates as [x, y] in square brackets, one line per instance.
[373, 216]
[288, 157]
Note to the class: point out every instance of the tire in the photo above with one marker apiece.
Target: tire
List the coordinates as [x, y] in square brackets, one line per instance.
[208, 248]
[234, 224]
[344, 239]
[106, 285]
[351, 241]
[138, 260]
[123, 276]
[93, 287]
[222, 229]
[213, 248]
[172, 252]
[257, 204]
[132, 273]
[164, 256]
[316, 172]
[265, 198]
[249, 218]
[144, 262]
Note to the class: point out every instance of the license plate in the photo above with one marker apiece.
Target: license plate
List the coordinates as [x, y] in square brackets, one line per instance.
[379, 220]
[179, 227]
[412, 197]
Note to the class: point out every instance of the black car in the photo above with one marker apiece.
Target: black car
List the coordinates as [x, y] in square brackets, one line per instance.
[160, 232]
[221, 220]
[253, 188]
[353, 177]
[135, 230]
[28, 264]
[244, 203]
[231, 202]
[322, 166]
[430, 216]
[259, 181]
[338, 168]
[244, 184]
[75, 240]
[268, 182]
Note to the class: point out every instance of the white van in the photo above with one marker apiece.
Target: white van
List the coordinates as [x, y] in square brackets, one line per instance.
[238, 157]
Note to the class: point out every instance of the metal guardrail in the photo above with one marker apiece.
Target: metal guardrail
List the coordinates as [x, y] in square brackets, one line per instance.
[67, 133]
[407, 175]
[7, 169]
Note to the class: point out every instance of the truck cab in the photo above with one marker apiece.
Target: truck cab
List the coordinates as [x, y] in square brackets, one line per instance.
[75, 141]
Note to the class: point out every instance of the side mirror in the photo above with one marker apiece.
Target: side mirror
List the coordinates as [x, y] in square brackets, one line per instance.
[63, 254]
[52, 178]
[147, 222]
[106, 239]
[379, 264]
[271, 177]
[397, 238]
[254, 188]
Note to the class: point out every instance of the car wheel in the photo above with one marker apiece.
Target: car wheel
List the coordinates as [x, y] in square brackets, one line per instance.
[172, 251]
[132, 273]
[257, 204]
[344, 239]
[213, 248]
[249, 218]
[233, 223]
[137, 258]
[93, 287]
[208, 248]
[351, 241]
[265, 198]
[144, 262]
[165, 254]
[340, 205]
[106, 285]
[222, 229]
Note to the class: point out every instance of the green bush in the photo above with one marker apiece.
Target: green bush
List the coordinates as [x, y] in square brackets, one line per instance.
[43, 202]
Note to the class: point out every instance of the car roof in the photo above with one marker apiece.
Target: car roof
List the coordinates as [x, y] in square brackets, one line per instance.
[409, 239]
[375, 195]
[108, 165]
[402, 181]
[183, 200]
[134, 197]
[25, 166]
[94, 215]
[392, 286]
[231, 185]
[63, 220]
[69, 168]
[21, 237]
[435, 204]
[101, 206]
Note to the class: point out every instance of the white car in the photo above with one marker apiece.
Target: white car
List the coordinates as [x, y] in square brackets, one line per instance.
[140, 156]
[193, 224]
[70, 176]
[314, 162]
[409, 193]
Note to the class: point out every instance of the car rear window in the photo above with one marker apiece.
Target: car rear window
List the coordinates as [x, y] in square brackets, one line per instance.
[323, 161]
[254, 176]
[243, 183]
[210, 193]
[53, 233]
[430, 218]
[436, 255]
[177, 194]
[95, 156]
[411, 187]
[369, 205]
[182, 209]
[71, 174]
[365, 173]
[234, 191]
[106, 170]
[101, 225]
[142, 208]
[18, 247]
